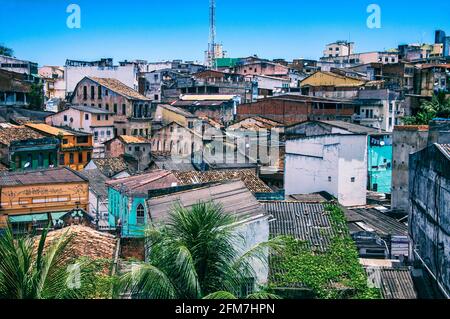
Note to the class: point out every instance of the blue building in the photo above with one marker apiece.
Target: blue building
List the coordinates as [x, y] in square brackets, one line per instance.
[379, 162]
[127, 210]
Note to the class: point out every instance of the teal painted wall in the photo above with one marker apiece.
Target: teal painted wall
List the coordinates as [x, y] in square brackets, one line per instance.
[380, 164]
[22, 158]
[123, 207]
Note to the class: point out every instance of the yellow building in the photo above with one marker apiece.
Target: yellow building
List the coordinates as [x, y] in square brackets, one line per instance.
[33, 199]
[76, 147]
[169, 114]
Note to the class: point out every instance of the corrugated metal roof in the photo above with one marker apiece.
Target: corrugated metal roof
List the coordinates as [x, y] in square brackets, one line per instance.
[49, 176]
[445, 149]
[394, 283]
[233, 196]
[305, 221]
[381, 223]
[157, 179]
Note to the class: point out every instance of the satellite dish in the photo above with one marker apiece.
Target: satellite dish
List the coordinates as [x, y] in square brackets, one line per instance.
[382, 143]
[27, 164]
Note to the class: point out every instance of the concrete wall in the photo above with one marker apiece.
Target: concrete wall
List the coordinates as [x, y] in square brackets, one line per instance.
[406, 140]
[429, 214]
[336, 164]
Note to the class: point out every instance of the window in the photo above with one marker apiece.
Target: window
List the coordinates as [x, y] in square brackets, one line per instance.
[106, 117]
[82, 139]
[353, 179]
[329, 178]
[65, 118]
[89, 156]
[98, 117]
[92, 92]
[86, 117]
[140, 214]
[124, 131]
[124, 109]
[65, 141]
[108, 133]
[85, 92]
[99, 92]
[137, 148]
[71, 158]
[107, 106]
[99, 105]
[106, 92]
[80, 157]
[115, 108]
[18, 162]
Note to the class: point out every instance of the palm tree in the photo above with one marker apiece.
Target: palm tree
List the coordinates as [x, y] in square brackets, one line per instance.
[194, 256]
[26, 272]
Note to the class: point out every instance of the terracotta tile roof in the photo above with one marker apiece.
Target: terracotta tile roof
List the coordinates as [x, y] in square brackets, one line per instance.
[120, 88]
[86, 242]
[45, 128]
[3, 168]
[128, 139]
[251, 181]
[48, 176]
[19, 133]
[110, 166]
[256, 122]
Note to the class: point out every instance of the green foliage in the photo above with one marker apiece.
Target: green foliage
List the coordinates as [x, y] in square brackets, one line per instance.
[6, 51]
[94, 280]
[36, 96]
[333, 274]
[193, 256]
[438, 107]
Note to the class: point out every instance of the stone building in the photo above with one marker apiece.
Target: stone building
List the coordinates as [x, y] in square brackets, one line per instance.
[132, 111]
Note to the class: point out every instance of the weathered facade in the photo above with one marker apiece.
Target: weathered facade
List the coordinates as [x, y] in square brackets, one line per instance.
[30, 200]
[132, 111]
[406, 140]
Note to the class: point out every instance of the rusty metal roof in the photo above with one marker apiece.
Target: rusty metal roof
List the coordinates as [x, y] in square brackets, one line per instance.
[142, 183]
[233, 196]
[49, 176]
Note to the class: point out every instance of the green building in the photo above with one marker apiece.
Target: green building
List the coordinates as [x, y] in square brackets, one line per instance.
[380, 163]
[24, 149]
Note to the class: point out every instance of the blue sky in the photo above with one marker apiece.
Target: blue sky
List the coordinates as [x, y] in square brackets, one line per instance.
[158, 30]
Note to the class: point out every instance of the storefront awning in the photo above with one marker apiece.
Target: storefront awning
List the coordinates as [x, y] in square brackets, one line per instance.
[28, 218]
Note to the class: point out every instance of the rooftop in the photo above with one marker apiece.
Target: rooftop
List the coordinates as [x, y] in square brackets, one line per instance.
[45, 128]
[256, 122]
[353, 128]
[120, 88]
[49, 176]
[128, 139]
[217, 97]
[233, 196]
[372, 220]
[86, 242]
[89, 109]
[445, 149]
[97, 181]
[248, 176]
[18, 133]
[110, 166]
[305, 221]
[411, 128]
[142, 183]
[177, 110]
[395, 283]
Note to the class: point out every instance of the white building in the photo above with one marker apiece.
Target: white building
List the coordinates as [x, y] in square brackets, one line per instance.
[338, 48]
[333, 163]
[54, 83]
[125, 72]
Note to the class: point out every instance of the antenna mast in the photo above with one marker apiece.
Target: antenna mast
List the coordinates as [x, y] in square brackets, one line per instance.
[212, 33]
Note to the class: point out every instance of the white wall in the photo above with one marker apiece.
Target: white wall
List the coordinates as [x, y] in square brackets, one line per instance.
[126, 74]
[310, 162]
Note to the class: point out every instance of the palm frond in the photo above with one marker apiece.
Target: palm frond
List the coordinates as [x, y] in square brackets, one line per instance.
[220, 295]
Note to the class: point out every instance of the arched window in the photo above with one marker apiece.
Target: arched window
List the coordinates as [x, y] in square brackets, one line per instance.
[140, 214]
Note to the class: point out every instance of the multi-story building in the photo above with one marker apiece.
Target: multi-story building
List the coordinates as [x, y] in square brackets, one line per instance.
[334, 163]
[133, 148]
[76, 147]
[338, 48]
[93, 120]
[30, 200]
[54, 83]
[125, 72]
[14, 89]
[406, 140]
[429, 210]
[290, 109]
[132, 111]
[23, 149]
[30, 69]
[432, 78]
[381, 109]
